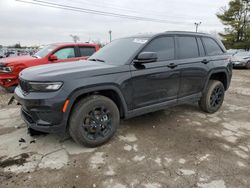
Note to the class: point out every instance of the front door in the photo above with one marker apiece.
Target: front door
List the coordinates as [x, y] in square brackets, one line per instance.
[156, 82]
[66, 54]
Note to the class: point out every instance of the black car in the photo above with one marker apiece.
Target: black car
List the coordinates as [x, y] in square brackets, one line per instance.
[128, 77]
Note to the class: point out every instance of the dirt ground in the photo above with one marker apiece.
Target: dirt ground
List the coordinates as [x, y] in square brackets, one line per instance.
[179, 147]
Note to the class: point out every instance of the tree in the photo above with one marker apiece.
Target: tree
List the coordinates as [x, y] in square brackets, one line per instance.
[17, 45]
[75, 38]
[236, 18]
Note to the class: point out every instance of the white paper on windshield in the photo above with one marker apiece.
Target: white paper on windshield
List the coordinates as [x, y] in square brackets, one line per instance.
[140, 41]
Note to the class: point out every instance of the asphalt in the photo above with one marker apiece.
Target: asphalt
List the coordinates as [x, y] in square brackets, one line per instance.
[178, 147]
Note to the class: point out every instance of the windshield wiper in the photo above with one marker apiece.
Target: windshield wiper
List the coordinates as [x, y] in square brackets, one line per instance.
[100, 60]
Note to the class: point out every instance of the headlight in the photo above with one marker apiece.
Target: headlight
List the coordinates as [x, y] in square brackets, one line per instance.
[43, 87]
[5, 69]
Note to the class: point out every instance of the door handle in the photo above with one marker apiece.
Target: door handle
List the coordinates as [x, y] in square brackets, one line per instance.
[205, 61]
[172, 65]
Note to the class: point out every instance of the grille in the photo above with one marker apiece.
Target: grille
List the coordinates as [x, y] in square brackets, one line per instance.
[24, 85]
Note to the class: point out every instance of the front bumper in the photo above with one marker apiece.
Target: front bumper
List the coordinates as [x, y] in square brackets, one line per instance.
[8, 80]
[43, 111]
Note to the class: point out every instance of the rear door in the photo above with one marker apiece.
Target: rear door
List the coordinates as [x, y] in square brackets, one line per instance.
[156, 82]
[85, 51]
[194, 65]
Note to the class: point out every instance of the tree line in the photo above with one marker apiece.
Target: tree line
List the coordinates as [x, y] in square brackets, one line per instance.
[236, 18]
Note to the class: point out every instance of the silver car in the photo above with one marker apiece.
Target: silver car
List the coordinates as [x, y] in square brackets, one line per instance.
[241, 59]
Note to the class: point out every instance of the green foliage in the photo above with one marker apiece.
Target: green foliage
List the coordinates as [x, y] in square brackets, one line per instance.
[236, 18]
[17, 45]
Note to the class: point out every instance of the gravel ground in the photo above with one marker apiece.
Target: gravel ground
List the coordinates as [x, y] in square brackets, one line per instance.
[179, 147]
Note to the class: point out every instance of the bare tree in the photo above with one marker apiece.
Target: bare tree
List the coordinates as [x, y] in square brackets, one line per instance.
[75, 38]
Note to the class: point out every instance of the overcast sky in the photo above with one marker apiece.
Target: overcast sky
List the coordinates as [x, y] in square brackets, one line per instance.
[36, 25]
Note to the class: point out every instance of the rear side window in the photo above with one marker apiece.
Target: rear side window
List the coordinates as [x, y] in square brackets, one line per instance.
[86, 51]
[212, 47]
[187, 47]
[163, 46]
[201, 48]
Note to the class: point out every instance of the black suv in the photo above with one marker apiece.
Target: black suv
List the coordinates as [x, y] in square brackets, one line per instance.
[128, 77]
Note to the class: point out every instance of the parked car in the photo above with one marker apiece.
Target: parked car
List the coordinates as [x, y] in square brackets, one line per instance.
[241, 59]
[53, 53]
[126, 78]
[234, 51]
[2, 55]
[11, 54]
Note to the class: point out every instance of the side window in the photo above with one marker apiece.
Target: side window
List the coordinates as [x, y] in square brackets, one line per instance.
[65, 53]
[187, 47]
[86, 51]
[212, 47]
[163, 46]
[201, 48]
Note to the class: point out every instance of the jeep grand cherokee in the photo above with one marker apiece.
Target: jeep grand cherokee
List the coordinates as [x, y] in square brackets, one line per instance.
[128, 77]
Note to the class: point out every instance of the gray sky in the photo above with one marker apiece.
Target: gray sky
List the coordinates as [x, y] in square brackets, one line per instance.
[35, 25]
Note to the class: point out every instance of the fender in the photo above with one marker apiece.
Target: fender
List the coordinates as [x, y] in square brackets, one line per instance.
[95, 88]
[214, 71]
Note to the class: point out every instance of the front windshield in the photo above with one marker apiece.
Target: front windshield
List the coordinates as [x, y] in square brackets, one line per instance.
[45, 50]
[119, 51]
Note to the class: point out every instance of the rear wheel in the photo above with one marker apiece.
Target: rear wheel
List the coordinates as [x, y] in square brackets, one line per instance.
[213, 98]
[94, 121]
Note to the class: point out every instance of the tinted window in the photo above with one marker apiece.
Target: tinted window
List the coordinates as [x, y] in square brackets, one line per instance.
[187, 47]
[119, 51]
[163, 46]
[212, 47]
[201, 48]
[65, 53]
[86, 51]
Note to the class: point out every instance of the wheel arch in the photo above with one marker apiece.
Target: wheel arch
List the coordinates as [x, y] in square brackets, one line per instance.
[220, 75]
[111, 91]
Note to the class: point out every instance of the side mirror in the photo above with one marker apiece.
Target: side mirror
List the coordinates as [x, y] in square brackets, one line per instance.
[53, 58]
[146, 57]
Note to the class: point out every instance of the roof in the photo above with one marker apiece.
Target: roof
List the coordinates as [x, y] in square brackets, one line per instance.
[72, 43]
[150, 35]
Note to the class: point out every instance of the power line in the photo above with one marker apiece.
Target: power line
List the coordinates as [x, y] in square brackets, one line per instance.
[115, 7]
[92, 11]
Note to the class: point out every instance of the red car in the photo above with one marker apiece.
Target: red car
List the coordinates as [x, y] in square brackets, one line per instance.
[53, 53]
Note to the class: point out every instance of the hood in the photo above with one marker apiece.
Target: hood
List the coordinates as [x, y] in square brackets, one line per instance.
[65, 71]
[16, 60]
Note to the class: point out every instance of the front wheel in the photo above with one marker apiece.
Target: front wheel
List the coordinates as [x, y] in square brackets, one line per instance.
[213, 97]
[94, 121]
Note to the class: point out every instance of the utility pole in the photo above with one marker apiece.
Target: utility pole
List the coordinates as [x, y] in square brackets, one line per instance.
[110, 35]
[197, 24]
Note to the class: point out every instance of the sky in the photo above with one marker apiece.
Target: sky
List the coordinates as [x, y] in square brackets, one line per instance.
[30, 24]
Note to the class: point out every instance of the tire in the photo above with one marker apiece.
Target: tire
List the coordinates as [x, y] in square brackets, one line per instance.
[213, 97]
[248, 65]
[86, 128]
